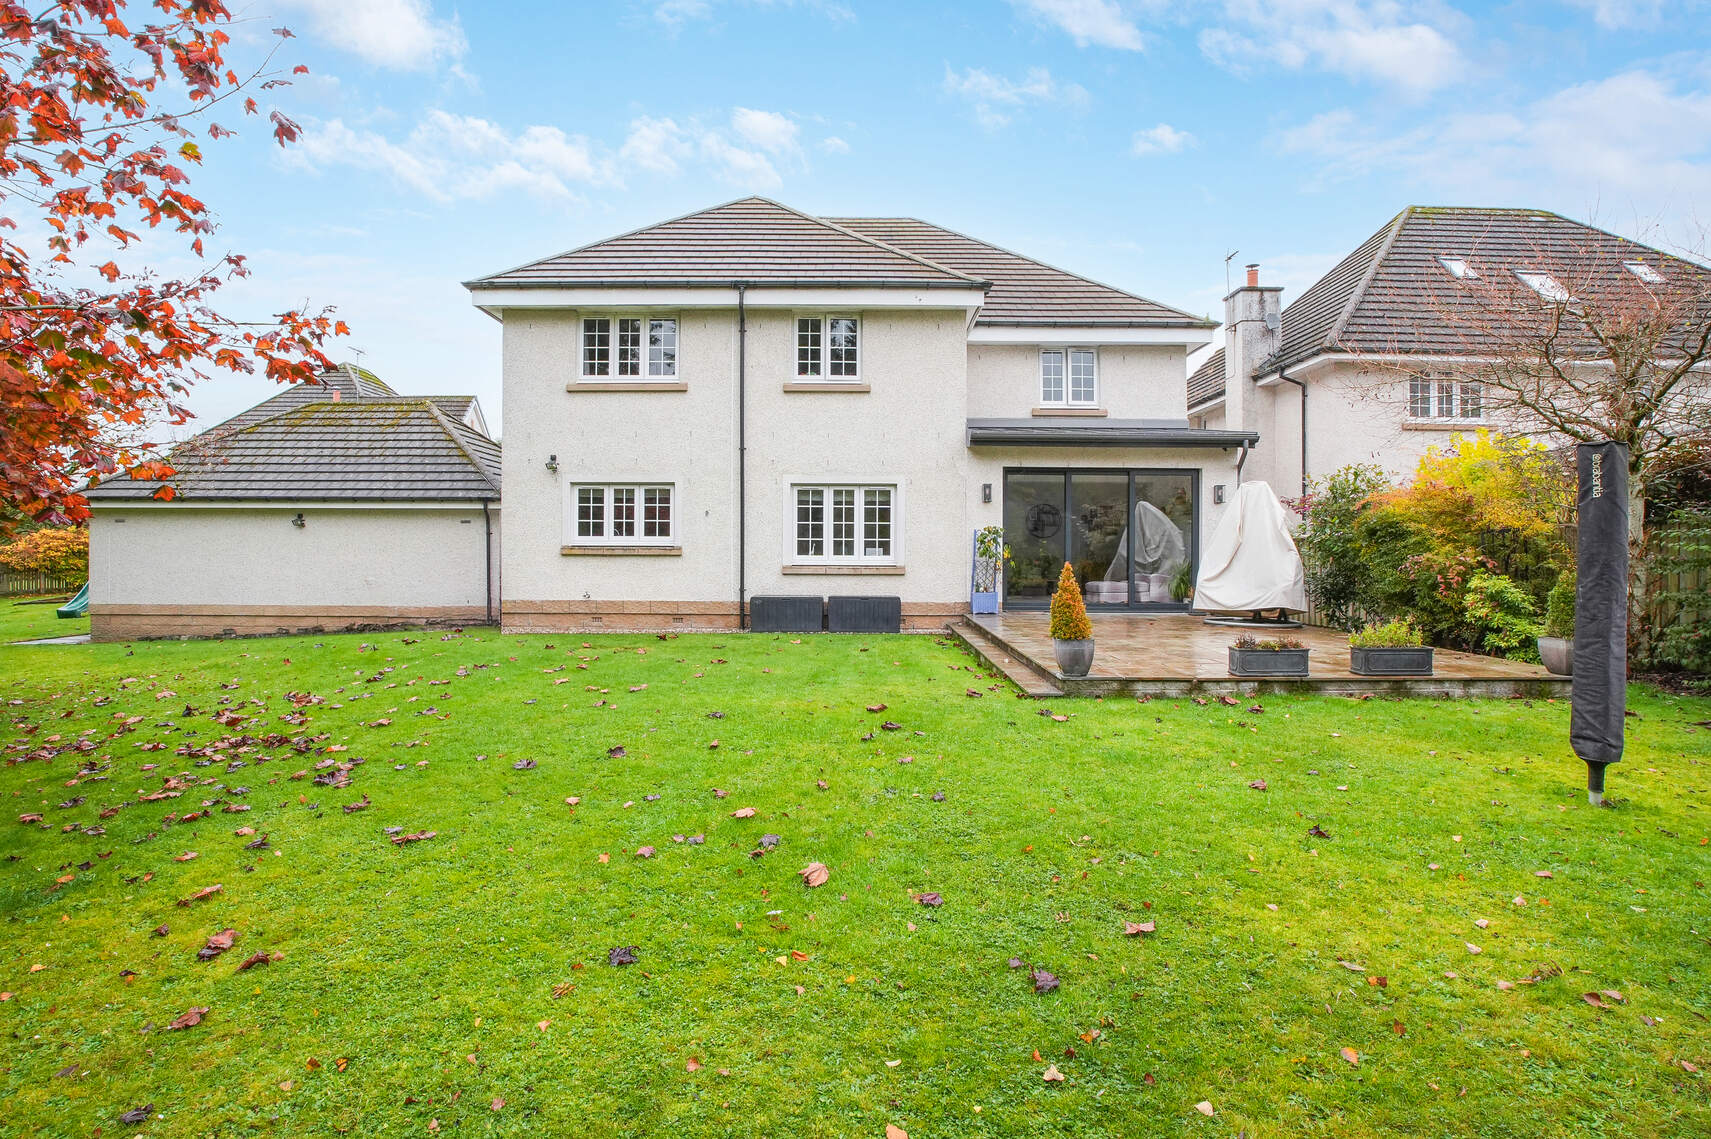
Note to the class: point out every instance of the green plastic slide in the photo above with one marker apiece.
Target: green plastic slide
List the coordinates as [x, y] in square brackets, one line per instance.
[78, 606]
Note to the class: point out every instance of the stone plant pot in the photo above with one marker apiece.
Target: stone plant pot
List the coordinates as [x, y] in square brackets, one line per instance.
[1268, 662]
[1391, 660]
[1074, 658]
[1558, 655]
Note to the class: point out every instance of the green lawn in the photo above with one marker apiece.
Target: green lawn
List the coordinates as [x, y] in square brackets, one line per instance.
[23, 619]
[416, 991]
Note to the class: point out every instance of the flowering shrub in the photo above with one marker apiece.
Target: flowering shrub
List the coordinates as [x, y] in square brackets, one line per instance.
[1069, 611]
[59, 552]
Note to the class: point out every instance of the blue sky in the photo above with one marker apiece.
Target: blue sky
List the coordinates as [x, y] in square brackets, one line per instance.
[1135, 141]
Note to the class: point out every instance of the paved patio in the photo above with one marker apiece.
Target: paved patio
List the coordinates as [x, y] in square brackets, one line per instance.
[1177, 654]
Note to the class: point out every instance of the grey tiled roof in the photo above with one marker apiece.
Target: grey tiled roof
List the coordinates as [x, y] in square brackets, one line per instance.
[1024, 291]
[391, 448]
[754, 240]
[347, 381]
[1393, 295]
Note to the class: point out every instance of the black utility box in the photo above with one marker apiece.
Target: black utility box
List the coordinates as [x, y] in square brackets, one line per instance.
[864, 614]
[784, 614]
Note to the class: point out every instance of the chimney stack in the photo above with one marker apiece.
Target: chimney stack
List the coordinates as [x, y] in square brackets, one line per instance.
[1252, 333]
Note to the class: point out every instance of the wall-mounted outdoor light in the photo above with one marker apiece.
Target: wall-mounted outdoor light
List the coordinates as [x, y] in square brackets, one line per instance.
[1218, 492]
[298, 520]
[986, 492]
[552, 462]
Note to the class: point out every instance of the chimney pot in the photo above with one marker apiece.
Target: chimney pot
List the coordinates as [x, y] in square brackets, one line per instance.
[1253, 276]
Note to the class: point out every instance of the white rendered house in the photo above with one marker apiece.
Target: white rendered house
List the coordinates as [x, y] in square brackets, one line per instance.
[751, 401]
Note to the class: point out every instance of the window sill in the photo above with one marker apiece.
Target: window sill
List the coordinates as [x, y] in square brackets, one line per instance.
[1443, 424]
[1095, 412]
[845, 570]
[825, 386]
[626, 386]
[621, 551]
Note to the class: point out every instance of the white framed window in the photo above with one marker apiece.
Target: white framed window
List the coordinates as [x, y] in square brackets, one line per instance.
[828, 348]
[1459, 268]
[1644, 272]
[852, 524]
[629, 347]
[1069, 377]
[627, 514]
[1437, 398]
[1545, 285]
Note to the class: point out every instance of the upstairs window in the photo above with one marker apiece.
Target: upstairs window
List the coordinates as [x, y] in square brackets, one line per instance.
[614, 347]
[623, 514]
[1069, 377]
[1644, 272]
[1430, 399]
[1545, 285]
[1458, 268]
[827, 347]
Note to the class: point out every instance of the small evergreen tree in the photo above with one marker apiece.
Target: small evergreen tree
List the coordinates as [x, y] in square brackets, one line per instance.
[1069, 611]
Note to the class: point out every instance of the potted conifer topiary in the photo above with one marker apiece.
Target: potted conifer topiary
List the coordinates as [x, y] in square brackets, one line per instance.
[1393, 649]
[1072, 632]
[1556, 647]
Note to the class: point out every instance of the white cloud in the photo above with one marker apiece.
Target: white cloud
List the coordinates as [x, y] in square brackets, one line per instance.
[1099, 22]
[832, 144]
[993, 97]
[675, 13]
[769, 130]
[1406, 46]
[1162, 139]
[1630, 139]
[1615, 15]
[404, 35]
[448, 157]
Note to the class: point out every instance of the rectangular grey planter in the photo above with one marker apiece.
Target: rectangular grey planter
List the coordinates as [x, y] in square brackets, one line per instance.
[1392, 660]
[1268, 662]
[864, 614]
[784, 614]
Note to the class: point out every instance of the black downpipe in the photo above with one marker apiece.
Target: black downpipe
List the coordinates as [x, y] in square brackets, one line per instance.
[742, 457]
[487, 545]
[1288, 379]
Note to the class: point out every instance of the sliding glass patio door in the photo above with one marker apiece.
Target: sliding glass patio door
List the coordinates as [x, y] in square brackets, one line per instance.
[1129, 534]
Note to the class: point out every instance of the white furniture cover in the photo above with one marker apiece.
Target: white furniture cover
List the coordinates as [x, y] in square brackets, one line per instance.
[1251, 562]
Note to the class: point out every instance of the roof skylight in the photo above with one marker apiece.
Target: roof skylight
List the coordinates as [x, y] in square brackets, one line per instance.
[1545, 285]
[1644, 272]
[1458, 268]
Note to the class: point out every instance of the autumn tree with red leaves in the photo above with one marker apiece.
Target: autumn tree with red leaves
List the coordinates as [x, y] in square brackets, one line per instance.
[99, 121]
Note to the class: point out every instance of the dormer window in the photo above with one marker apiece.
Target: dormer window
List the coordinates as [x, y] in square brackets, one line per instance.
[1644, 272]
[1545, 285]
[1458, 268]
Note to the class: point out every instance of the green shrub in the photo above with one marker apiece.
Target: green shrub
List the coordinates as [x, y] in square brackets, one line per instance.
[1559, 606]
[1328, 538]
[1391, 635]
[1681, 576]
[1501, 618]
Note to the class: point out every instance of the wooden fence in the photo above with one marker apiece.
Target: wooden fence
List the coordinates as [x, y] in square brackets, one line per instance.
[24, 584]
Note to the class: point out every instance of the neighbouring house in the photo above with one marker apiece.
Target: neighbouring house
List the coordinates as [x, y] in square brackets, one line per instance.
[336, 505]
[1362, 367]
[752, 401]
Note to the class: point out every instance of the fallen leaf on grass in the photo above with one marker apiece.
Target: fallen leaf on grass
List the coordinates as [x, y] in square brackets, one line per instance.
[562, 989]
[418, 836]
[621, 955]
[204, 892]
[1350, 1055]
[892, 1131]
[1204, 1107]
[1051, 1075]
[1258, 785]
[138, 1114]
[928, 899]
[187, 856]
[217, 944]
[1044, 982]
[1543, 874]
[814, 874]
[259, 958]
[644, 852]
[189, 1020]
[743, 813]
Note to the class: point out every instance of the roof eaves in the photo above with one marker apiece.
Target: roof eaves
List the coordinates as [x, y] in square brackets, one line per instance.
[458, 442]
[725, 283]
